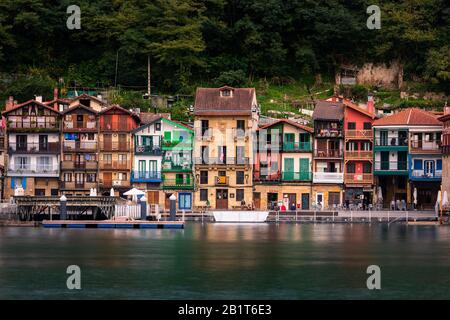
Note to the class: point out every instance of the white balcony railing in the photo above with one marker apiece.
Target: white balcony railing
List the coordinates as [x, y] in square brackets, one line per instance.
[429, 175]
[34, 169]
[328, 177]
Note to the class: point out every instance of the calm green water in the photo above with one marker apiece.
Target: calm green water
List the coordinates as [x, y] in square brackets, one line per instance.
[224, 261]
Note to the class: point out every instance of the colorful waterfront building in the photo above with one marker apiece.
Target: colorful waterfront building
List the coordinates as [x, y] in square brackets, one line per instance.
[445, 149]
[283, 166]
[328, 159]
[147, 162]
[226, 120]
[33, 149]
[407, 149]
[80, 150]
[425, 157]
[358, 155]
[115, 146]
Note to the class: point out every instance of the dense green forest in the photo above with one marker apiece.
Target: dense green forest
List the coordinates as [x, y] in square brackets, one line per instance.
[212, 42]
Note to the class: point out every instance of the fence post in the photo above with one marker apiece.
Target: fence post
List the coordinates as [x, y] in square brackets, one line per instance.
[63, 208]
[143, 208]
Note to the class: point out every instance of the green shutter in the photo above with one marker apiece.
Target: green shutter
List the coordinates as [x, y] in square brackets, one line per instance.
[167, 135]
[288, 172]
[304, 169]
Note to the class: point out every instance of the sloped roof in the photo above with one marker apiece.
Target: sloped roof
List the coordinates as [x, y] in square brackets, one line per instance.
[115, 106]
[81, 106]
[149, 117]
[86, 96]
[289, 122]
[30, 102]
[355, 107]
[210, 101]
[327, 110]
[410, 117]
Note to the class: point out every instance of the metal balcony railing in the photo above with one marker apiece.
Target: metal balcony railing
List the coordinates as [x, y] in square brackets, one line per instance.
[35, 147]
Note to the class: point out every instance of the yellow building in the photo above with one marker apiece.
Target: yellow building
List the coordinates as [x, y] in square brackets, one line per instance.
[225, 122]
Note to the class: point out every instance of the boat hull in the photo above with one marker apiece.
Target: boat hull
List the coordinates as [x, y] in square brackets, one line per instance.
[240, 216]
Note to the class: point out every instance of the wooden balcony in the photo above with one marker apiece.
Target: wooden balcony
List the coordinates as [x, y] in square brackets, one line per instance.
[79, 146]
[34, 147]
[118, 126]
[115, 146]
[115, 183]
[328, 153]
[358, 155]
[80, 126]
[37, 124]
[358, 134]
[433, 146]
[72, 185]
[358, 178]
[115, 165]
[79, 165]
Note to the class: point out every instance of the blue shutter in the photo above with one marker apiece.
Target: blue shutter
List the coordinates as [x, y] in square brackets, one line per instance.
[418, 164]
[13, 183]
[439, 164]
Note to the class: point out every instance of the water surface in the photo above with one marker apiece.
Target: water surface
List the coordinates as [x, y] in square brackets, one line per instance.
[227, 261]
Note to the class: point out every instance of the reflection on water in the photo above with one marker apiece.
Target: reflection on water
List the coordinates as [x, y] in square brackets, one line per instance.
[228, 261]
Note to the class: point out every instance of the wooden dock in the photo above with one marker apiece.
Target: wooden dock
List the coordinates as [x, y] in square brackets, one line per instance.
[112, 224]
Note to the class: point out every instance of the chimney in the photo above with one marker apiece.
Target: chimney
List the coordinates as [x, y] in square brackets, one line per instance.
[446, 108]
[9, 103]
[370, 105]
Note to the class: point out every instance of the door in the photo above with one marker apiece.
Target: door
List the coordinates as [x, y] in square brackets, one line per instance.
[43, 143]
[305, 201]
[141, 168]
[122, 142]
[384, 165]
[334, 198]
[402, 138]
[419, 141]
[185, 201]
[107, 179]
[79, 180]
[288, 169]
[383, 138]
[292, 198]
[222, 199]
[107, 142]
[402, 158]
[153, 197]
[429, 168]
[289, 140]
[21, 142]
[153, 169]
[319, 199]
[257, 200]
[304, 169]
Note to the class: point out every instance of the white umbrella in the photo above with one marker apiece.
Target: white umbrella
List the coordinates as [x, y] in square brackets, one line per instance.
[134, 193]
[111, 192]
[415, 196]
[380, 194]
[445, 199]
[91, 192]
[438, 200]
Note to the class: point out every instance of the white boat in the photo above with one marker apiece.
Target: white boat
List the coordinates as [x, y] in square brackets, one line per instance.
[240, 216]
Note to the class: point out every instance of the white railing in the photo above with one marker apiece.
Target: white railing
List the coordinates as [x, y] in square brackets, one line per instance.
[422, 174]
[328, 177]
[129, 211]
[33, 169]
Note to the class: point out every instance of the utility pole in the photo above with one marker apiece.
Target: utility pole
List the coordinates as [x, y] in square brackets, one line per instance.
[148, 77]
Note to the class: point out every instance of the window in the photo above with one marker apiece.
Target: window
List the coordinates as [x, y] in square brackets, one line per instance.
[91, 136]
[107, 158]
[205, 126]
[418, 164]
[91, 177]
[351, 125]
[67, 177]
[268, 138]
[240, 155]
[203, 194]
[67, 157]
[240, 125]
[158, 126]
[367, 126]
[439, 164]
[43, 163]
[365, 146]
[401, 182]
[54, 192]
[222, 152]
[350, 167]
[184, 201]
[204, 177]
[22, 163]
[367, 168]
[239, 177]
[122, 176]
[239, 194]
[122, 158]
[225, 93]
